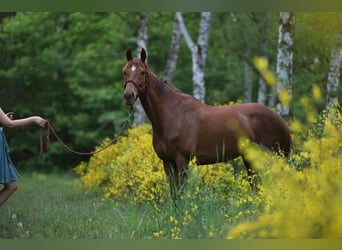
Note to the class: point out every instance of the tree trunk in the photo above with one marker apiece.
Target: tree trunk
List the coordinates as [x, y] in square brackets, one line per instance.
[273, 96]
[139, 113]
[198, 51]
[285, 62]
[248, 78]
[262, 90]
[173, 54]
[264, 30]
[334, 71]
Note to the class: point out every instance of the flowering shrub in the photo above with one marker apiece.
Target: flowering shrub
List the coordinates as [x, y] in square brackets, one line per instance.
[302, 197]
[131, 169]
[128, 169]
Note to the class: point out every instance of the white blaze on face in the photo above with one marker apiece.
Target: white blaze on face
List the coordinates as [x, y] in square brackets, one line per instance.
[133, 68]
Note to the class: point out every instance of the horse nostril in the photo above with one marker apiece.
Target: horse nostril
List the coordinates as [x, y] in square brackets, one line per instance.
[129, 97]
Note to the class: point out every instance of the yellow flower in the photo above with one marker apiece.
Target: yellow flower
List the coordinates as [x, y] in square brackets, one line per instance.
[261, 63]
[270, 78]
[316, 91]
[158, 234]
[304, 195]
[211, 234]
[173, 220]
[285, 97]
[296, 126]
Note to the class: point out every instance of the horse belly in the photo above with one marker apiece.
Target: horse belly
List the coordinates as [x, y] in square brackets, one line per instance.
[216, 149]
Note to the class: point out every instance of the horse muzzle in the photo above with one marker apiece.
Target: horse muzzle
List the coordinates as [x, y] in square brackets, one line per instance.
[130, 98]
[130, 93]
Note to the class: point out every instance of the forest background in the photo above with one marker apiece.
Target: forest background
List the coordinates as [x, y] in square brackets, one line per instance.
[67, 67]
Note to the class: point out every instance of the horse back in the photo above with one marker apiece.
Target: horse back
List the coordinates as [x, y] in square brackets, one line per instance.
[268, 127]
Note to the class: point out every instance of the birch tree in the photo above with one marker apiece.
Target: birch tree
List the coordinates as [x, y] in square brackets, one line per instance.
[198, 51]
[173, 53]
[284, 68]
[334, 71]
[248, 78]
[139, 113]
[264, 29]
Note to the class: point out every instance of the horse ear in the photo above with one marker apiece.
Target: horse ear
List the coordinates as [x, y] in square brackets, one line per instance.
[143, 55]
[129, 54]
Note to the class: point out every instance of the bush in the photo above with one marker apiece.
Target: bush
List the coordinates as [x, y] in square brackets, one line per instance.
[302, 197]
[131, 169]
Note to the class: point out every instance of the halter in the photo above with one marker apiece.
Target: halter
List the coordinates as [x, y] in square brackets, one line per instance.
[142, 89]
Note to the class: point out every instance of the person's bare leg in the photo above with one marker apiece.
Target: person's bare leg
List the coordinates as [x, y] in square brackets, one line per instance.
[7, 191]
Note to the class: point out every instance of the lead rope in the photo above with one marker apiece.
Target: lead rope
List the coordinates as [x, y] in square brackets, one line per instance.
[50, 129]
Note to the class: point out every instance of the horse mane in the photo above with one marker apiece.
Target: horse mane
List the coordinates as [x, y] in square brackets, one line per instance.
[164, 83]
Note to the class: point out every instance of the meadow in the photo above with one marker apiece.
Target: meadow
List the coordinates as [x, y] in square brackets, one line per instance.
[122, 193]
[49, 206]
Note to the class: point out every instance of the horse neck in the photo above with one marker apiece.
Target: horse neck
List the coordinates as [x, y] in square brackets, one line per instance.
[157, 101]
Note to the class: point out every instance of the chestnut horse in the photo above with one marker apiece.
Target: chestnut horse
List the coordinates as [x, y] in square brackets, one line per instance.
[184, 127]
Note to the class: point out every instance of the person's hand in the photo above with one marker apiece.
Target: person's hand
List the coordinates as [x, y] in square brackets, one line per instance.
[10, 115]
[40, 121]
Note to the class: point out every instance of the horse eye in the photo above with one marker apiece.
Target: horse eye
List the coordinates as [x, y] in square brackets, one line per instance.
[142, 73]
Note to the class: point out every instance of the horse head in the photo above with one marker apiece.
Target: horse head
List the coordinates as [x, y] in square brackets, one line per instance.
[135, 76]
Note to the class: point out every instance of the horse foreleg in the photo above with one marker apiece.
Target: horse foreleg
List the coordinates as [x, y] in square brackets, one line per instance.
[169, 171]
[177, 175]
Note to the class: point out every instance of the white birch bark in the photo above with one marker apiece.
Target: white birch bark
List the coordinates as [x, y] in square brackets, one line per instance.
[264, 30]
[198, 52]
[139, 113]
[334, 76]
[273, 96]
[284, 69]
[262, 91]
[173, 53]
[248, 78]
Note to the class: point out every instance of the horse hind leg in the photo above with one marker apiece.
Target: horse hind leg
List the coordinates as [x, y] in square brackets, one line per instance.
[253, 178]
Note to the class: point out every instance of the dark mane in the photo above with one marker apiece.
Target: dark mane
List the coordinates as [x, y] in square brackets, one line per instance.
[162, 83]
[171, 86]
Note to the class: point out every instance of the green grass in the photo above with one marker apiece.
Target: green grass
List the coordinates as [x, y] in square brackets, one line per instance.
[48, 206]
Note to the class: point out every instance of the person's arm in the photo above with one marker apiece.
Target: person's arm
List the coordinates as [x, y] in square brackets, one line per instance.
[6, 121]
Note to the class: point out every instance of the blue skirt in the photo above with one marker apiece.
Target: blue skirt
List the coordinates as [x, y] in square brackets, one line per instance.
[8, 172]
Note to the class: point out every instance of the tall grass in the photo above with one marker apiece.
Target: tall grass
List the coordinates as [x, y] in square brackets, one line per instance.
[49, 206]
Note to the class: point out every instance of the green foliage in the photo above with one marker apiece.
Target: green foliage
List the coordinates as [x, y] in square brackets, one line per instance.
[67, 68]
[68, 72]
[315, 35]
